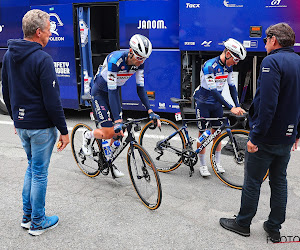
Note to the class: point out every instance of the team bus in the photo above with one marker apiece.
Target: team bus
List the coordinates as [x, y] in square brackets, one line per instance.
[184, 34]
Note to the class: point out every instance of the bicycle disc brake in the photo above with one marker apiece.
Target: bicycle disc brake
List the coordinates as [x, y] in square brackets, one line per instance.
[189, 158]
[240, 157]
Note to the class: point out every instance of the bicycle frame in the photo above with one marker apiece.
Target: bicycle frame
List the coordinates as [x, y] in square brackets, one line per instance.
[218, 131]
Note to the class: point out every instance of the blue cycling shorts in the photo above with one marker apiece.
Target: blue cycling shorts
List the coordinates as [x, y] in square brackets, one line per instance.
[204, 110]
[101, 106]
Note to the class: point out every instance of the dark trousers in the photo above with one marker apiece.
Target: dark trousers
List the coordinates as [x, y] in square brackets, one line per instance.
[275, 158]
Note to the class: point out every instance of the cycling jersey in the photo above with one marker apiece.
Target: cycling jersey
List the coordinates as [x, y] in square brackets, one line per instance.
[113, 74]
[213, 77]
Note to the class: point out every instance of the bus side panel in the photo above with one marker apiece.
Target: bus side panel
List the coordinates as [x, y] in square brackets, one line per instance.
[61, 48]
[204, 30]
[157, 20]
[11, 14]
[162, 81]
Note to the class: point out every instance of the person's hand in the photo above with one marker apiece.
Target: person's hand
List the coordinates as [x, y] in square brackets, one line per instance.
[251, 147]
[118, 128]
[295, 145]
[237, 111]
[62, 142]
[155, 117]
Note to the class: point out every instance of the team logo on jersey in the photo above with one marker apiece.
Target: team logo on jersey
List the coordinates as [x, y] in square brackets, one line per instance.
[151, 24]
[111, 77]
[55, 22]
[209, 79]
[123, 67]
[265, 70]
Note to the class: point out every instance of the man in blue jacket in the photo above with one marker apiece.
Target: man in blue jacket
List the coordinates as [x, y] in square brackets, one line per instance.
[274, 118]
[31, 94]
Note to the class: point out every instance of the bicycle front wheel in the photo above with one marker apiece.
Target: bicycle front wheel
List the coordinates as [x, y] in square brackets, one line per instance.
[88, 164]
[231, 161]
[166, 156]
[144, 176]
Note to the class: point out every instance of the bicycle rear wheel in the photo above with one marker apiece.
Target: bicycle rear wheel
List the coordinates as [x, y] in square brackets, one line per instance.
[144, 176]
[234, 166]
[87, 164]
[168, 156]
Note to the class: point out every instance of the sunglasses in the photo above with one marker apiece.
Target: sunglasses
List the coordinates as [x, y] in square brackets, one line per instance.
[266, 38]
[138, 57]
[235, 59]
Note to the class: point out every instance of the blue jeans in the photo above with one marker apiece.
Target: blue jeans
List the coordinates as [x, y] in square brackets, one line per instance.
[38, 145]
[275, 158]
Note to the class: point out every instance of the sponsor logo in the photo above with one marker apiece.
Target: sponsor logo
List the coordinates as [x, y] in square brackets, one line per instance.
[151, 24]
[214, 65]
[189, 43]
[119, 62]
[111, 77]
[1, 27]
[86, 82]
[84, 32]
[206, 44]
[192, 5]
[161, 105]
[232, 5]
[98, 110]
[250, 44]
[210, 79]
[276, 4]
[21, 114]
[265, 70]
[62, 69]
[55, 22]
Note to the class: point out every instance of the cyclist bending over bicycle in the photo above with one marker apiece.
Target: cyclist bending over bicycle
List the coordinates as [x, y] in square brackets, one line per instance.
[117, 68]
[214, 74]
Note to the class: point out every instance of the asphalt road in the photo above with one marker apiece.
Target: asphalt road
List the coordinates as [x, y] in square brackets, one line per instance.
[102, 213]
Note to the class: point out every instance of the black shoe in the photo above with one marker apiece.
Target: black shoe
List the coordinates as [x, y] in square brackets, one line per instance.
[273, 235]
[231, 225]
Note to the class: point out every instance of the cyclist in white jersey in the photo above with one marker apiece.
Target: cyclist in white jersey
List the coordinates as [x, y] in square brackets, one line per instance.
[215, 73]
[117, 68]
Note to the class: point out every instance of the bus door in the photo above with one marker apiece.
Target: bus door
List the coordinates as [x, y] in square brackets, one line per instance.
[97, 34]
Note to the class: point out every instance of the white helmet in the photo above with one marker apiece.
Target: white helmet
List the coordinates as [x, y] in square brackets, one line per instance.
[236, 48]
[141, 45]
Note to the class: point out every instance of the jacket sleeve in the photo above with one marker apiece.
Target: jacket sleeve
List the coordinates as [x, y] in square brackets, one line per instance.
[269, 92]
[5, 88]
[51, 95]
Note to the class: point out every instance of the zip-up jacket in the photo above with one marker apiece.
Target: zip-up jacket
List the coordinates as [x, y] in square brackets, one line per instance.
[30, 87]
[275, 110]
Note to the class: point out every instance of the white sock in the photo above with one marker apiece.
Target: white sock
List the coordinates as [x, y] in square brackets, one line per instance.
[89, 135]
[202, 159]
[217, 157]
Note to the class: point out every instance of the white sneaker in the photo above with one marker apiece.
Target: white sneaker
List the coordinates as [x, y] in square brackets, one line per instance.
[117, 172]
[204, 171]
[86, 145]
[220, 169]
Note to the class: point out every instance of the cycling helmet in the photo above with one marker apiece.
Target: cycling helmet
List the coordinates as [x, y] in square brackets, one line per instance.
[236, 48]
[141, 45]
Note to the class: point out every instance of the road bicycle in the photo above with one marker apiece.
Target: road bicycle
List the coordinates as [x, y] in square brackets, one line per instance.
[171, 146]
[141, 168]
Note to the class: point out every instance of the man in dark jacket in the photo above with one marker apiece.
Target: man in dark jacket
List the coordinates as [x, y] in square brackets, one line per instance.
[274, 117]
[31, 94]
